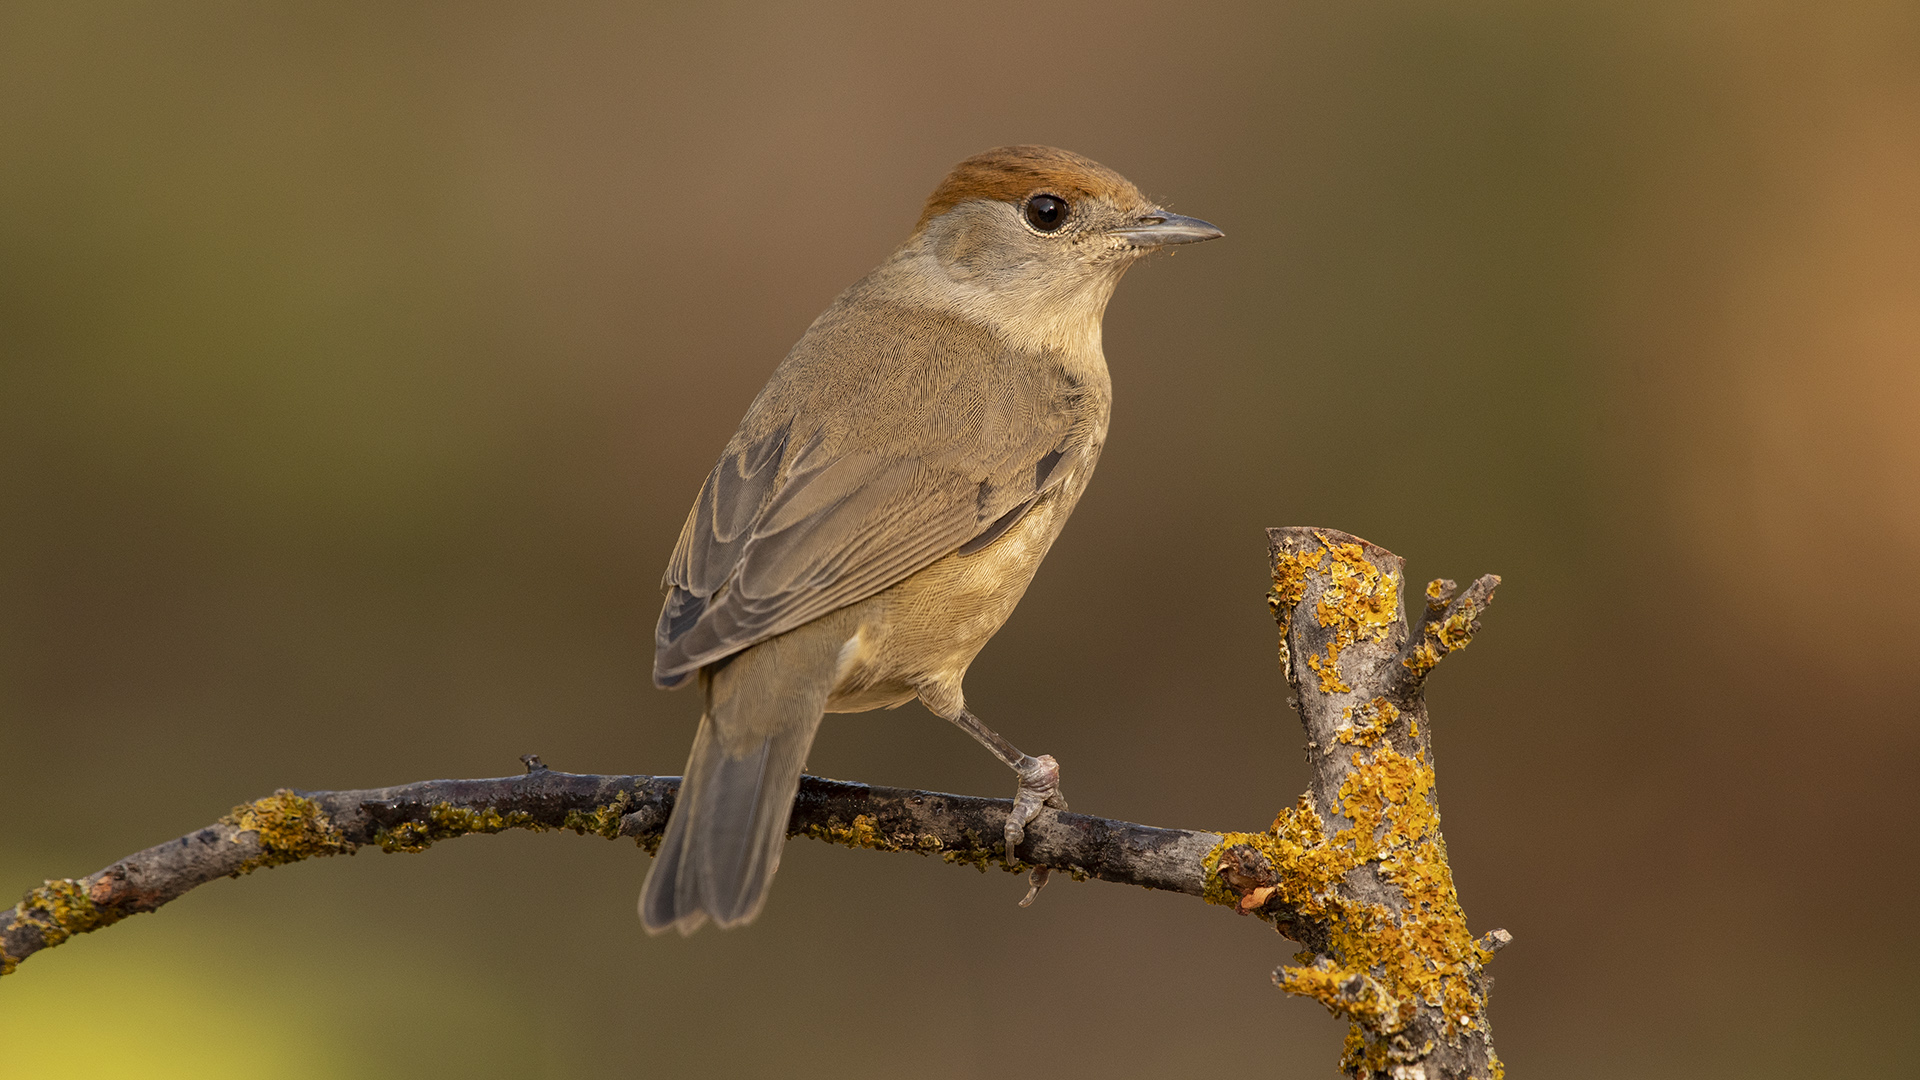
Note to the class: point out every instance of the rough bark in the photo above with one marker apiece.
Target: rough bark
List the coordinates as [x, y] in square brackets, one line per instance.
[1356, 871]
[290, 826]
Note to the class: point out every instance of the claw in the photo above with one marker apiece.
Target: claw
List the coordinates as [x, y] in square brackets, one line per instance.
[1039, 787]
[1035, 882]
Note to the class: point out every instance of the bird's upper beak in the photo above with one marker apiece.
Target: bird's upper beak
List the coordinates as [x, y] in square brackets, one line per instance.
[1157, 228]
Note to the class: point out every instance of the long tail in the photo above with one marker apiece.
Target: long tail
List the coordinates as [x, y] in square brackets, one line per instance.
[729, 823]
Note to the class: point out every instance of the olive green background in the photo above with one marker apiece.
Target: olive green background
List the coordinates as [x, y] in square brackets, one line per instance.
[358, 362]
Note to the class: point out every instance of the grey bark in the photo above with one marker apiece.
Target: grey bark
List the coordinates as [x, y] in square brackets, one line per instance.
[1387, 661]
[411, 817]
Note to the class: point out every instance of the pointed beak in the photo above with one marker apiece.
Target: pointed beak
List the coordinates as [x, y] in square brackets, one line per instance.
[1157, 228]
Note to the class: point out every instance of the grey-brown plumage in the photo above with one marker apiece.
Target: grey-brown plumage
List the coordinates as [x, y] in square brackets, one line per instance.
[886, 501]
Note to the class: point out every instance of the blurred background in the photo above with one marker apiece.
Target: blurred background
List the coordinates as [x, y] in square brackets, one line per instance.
[359, 361]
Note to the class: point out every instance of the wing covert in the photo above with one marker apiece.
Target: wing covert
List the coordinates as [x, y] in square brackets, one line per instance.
[829, 493]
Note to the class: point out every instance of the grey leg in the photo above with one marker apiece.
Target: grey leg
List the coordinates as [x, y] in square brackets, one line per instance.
[1039, 780]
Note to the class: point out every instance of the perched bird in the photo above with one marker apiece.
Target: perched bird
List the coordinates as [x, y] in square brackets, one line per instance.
[887, 499]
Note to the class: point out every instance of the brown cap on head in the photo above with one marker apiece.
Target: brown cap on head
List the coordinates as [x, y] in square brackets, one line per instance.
[1011, 173]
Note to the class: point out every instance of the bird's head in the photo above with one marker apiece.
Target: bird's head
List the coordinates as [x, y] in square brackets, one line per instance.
[1033, 239]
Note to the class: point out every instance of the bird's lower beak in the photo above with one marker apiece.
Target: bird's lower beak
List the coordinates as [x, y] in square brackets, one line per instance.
[1158, 228]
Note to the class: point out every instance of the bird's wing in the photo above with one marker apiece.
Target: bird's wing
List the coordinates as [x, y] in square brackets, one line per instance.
[843, 482]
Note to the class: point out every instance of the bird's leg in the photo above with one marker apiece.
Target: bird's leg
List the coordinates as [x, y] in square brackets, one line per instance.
[1039, 779]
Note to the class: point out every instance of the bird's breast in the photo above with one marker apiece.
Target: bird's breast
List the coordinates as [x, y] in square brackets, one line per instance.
[924, 632]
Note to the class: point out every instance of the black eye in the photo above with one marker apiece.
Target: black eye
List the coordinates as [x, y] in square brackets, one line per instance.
[1046, 212]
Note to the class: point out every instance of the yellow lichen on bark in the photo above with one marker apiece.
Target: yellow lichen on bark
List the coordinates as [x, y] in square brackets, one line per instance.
[1329, 670]
[1358, 602]
[1365, 725]
[1438, 638]
[1381, 963]
[446, 821]
[865, 833]
[1422, 952]
[860, 834]
[1456, 630]
[1290, 572]
[1422, 658]
[601, 821]
[59, 909]
[290, 828]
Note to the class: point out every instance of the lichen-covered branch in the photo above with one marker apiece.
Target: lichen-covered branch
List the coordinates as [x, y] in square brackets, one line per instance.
[289, 826]
[1357, 870]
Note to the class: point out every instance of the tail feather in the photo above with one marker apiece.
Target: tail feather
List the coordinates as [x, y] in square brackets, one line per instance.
[729, 823]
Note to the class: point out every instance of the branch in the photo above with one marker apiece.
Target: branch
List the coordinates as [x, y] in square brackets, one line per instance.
[1356, 871]
[291, 826]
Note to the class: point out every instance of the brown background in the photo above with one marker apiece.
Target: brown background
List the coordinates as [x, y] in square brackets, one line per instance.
[360, 361]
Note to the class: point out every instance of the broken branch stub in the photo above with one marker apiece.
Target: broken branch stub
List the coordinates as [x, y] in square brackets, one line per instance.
[1357, 869]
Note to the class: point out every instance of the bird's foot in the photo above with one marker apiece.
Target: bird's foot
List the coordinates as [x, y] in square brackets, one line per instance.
[1039, 787]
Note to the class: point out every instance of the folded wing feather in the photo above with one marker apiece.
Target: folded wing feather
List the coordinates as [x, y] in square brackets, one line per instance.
[840, 484]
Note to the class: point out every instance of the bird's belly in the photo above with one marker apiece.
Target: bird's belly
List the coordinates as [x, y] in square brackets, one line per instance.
[918, 637]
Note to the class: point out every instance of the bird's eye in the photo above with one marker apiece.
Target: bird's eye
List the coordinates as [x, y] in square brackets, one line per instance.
[1047, 212]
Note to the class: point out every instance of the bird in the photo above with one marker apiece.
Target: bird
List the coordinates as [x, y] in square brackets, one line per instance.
[887, 499]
